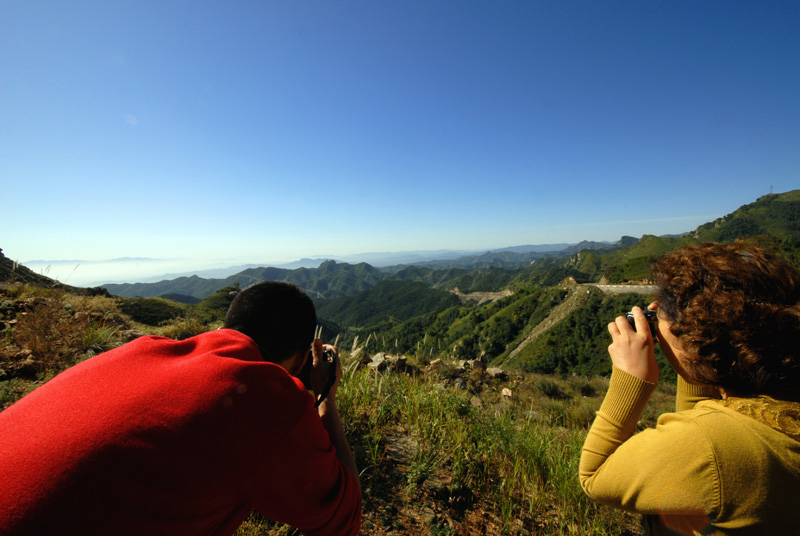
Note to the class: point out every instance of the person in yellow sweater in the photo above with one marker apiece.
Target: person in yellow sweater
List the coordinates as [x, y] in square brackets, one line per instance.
[728, 460]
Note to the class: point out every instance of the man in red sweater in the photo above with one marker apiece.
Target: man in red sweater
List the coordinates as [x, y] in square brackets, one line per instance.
[186, 437]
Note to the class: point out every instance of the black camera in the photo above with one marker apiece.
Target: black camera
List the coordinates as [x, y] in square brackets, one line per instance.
[651, 320]
[305, 373]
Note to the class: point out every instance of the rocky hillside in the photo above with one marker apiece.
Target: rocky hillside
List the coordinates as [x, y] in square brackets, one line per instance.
[11, 272]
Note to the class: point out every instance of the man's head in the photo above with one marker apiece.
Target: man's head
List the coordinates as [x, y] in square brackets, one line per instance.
[278, 316]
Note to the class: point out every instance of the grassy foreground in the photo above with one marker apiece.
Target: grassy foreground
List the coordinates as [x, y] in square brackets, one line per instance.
[442, 451]
[442, 460]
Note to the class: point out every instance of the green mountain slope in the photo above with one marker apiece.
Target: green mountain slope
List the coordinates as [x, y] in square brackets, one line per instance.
[400, 300]
[578, 344]
[541, 326]
[775, 215]
[575, 342]
[330, 279]
[11, 272]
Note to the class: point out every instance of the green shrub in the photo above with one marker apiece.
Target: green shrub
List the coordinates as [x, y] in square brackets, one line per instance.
[552, 388]
[150, 311]
[99, 337]
[183, 328]
[50, 332]
[215, 307]
[14, 389]
[588, 387]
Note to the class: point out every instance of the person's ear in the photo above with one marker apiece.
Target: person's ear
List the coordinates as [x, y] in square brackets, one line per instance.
[296, 362]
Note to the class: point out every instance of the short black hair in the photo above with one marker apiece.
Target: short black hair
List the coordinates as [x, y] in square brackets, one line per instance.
[278, 316]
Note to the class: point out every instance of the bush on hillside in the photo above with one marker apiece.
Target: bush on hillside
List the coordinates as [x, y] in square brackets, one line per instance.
[183, 328]
[49, 330]
[150, 311]
[215, 307]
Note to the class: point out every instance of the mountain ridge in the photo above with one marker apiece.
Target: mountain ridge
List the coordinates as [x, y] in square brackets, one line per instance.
[777, 215]
[539, 324]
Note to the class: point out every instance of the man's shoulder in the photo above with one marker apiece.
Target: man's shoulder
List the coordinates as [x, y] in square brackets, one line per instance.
[216, 364]
[222, 343]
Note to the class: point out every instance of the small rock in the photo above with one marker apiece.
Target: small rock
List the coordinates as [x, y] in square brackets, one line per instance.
[127, 335]
[477, 364]
[378, 363]
[497, 373]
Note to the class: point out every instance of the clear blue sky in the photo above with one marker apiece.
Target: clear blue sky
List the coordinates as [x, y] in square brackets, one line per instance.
[274, 130]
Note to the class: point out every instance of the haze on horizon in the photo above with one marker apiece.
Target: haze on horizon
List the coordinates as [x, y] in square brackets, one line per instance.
[265, 132]
[133, 270]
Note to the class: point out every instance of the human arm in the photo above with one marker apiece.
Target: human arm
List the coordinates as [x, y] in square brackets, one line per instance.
[633, 380]
[328, 411]
[614, 424]
[662, 471]
[633, 351]
[302, 481]
[669, 470]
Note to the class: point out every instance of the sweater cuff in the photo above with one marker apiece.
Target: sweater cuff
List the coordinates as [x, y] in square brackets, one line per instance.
[626, 398]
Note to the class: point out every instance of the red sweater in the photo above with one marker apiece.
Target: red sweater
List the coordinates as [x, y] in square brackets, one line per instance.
[171, 437]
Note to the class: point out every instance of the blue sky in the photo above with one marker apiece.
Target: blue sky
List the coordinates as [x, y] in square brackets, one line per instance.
[266, 131]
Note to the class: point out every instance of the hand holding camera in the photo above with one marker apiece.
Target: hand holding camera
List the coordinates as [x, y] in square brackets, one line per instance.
[632, 348]
[322, 370]
[650, 316]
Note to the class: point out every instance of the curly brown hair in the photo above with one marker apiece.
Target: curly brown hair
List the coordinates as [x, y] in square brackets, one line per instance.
[734, 309]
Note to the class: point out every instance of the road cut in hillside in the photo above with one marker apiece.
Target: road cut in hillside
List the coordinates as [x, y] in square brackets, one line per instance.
[647, 290]
[578, 295]
[481, 297]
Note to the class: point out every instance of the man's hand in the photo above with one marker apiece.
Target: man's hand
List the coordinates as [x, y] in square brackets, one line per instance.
[320, 370]
[633, 351]
[328, 412]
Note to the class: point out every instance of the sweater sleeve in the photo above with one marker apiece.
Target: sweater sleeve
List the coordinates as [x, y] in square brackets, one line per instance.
[668, 471]
[315, 492]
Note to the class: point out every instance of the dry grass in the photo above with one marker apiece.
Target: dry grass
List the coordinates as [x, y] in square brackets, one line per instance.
[435, 462]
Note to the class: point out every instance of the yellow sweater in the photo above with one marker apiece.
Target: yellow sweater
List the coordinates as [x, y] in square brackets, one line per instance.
[727, 467]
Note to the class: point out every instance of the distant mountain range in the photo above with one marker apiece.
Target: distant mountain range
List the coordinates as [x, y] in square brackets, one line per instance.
[329, 278]
[398, 260]
[517, 257]
[774, 215]
[545, 321]
[412, 307]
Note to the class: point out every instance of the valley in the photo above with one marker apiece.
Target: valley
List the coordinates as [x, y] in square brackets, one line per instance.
[491, 374]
